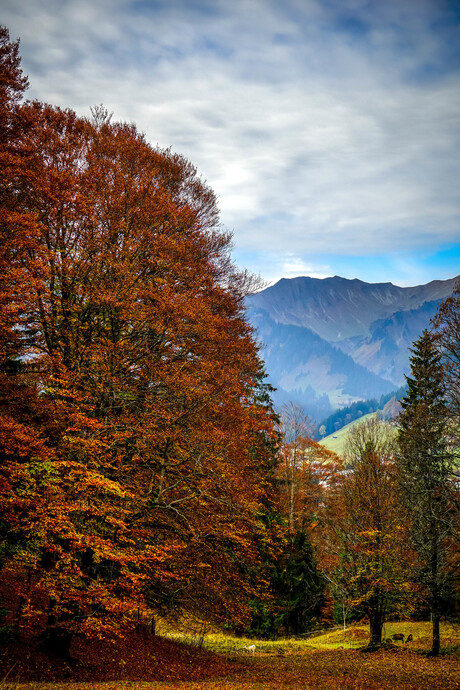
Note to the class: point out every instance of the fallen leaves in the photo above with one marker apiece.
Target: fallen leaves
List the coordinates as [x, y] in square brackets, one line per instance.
[141, 662]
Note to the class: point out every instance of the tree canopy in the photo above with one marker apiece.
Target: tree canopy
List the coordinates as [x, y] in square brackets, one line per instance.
[134, 441]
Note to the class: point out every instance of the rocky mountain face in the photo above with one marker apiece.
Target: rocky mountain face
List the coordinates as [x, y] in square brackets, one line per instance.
[327, 343]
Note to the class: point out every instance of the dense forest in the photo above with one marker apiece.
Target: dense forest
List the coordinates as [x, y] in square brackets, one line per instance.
[144, 473]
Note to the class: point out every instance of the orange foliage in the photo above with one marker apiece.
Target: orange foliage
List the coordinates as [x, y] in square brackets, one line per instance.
[304, 470]
[145, 459]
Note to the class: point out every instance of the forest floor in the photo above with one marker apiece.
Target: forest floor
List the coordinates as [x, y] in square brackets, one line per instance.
[331, 661]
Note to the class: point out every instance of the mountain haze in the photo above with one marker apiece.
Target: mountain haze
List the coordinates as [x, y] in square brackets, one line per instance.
[329, 342]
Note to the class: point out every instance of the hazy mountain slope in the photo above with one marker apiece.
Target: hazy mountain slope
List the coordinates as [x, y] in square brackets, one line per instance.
[299, 360]
[385, 352]
[344, 339]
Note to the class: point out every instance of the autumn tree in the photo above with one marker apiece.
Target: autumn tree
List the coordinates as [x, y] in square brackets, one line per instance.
[151, 444]
[364, 524]
[426, 476]
[296, 429]
[447, 338]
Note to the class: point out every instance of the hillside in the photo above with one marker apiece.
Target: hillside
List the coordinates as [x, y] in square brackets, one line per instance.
[384, 351]
[327, 343]
[336, 441]
[301, 362]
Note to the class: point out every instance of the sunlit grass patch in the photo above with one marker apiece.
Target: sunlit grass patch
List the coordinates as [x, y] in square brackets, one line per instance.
[421, 632]
[228, 645]
[353, 637]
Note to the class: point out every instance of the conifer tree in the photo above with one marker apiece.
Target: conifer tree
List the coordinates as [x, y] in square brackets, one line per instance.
[299, 585]
[425, 467]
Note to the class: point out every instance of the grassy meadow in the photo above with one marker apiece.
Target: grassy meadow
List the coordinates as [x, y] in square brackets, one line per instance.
[333, 660]
[336, 441]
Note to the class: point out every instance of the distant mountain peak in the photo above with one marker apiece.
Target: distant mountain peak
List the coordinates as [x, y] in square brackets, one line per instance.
[339, 308]
[304, 323]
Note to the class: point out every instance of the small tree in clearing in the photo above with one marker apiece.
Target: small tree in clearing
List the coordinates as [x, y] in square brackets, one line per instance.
[365, 523]
[296, 429]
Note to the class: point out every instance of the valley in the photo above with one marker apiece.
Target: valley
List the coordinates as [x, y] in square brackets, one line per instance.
[330, 342]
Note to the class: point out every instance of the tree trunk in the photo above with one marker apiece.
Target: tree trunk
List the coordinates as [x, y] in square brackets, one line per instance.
[436, 636]
[57, 642]
[376, 633]
[376, 626]
[292, 497]
[434, 588]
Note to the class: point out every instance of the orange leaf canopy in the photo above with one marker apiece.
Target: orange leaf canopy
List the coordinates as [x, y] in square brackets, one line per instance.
[152, 447]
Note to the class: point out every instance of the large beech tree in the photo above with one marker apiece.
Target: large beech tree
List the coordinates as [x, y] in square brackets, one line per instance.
[152, 451]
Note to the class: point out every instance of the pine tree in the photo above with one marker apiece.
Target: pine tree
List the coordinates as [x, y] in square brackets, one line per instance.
[300, 586]
[425, 467]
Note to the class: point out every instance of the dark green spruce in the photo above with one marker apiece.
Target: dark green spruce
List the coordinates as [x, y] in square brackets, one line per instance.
[426, 469]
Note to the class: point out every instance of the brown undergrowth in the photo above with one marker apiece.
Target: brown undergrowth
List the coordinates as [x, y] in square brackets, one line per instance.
[136, 656]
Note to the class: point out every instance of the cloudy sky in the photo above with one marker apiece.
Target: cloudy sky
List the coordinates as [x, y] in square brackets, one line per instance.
[328, 129]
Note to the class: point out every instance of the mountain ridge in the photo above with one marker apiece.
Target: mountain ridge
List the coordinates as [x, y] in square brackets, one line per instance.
[316, 303]
[304, 323]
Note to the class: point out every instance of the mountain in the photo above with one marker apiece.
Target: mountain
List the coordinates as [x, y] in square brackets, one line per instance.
[385, 350]
[312, 370]
[327, 343]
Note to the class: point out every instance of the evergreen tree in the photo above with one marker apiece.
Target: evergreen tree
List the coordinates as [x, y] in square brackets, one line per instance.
[300, 587]
[296, 588]
[425, 467]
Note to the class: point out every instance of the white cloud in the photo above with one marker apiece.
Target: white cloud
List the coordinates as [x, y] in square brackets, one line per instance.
[316, 134]
[293, 265]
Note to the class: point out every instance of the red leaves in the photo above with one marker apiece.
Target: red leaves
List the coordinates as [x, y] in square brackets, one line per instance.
[138, 457]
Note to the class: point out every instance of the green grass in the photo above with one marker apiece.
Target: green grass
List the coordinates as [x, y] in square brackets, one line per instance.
[336, 441]
[354, 637]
